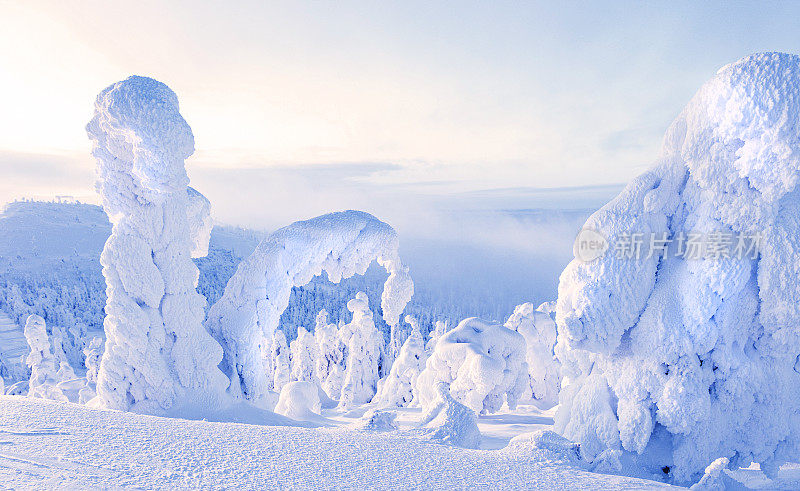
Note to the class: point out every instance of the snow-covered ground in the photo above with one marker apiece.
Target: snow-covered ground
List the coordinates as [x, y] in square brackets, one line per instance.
[56, 445]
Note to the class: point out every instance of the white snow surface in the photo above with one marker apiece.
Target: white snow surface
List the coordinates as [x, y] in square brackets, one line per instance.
[157, 352]
[687, 361]
[484, 364]
[67, 446]
[342, 244]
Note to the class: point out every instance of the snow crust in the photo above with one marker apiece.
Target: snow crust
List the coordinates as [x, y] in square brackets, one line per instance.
[157, 351]
[681, 361]
[483, 363]
[342, 244]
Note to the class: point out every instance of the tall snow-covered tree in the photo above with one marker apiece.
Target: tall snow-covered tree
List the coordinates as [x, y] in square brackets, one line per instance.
[282, 360]
[399, 387]
[158, 354]
[364, 347]
[304, 356]
[44, 366]
[330, 358]
[539, 330]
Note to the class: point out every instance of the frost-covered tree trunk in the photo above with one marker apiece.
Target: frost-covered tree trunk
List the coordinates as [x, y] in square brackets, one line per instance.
[330, 356]
[399, 387]
[43, 365]
[363, 355]
[304, 357]
[157, 351]
[282, 361]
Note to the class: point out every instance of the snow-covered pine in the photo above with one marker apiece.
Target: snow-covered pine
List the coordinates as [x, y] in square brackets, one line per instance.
[681, 361]
[341, 244]
[157, 350]
[483, 363]
[400, 386]
[539, 330]
[364, 346]
[43, 365]
[330, 356]
[282, 361]
[304, 357]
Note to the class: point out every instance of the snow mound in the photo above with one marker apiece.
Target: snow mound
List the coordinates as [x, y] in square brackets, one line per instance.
[448, 421]
[157, 351]
[483, 363]
[300, 401]
[376, 420]
[341, 244]
[548, 444]
[682, 359]
[539, 330]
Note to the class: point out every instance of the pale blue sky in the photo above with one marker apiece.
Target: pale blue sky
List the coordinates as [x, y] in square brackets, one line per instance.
[422, 100]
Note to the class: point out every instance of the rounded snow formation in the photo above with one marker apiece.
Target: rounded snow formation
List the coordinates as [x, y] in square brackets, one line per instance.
[483, 363]
[157, 352]
[685, 359]
[300, 401]
[342, 244]
[450, 422]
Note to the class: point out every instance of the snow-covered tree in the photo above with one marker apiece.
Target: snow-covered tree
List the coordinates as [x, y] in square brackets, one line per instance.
[399, 387]
[440, 327]
[330, 359]
[684, 354]
[341, 244]
[43, 365]
[483, 363]
[158, 353]
[539, 330]
[93, 353]
[282, 361]
[364, 346]
[304, 356]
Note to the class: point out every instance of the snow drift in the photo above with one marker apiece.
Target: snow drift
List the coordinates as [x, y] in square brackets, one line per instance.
[157, 351]
[683, 360]
[483, 363]
[341, 244]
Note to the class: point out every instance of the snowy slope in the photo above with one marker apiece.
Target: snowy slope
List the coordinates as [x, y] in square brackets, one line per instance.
[13, 348]
[59, 445]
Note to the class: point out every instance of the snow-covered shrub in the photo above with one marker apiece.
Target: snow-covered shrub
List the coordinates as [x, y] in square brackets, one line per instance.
[341, 244]
[484, 364]
[691, 355]
[43, 365]
[550, 445]
[364, 344]
[449, 421]
[330, 356]
[539, 330]
[377, 420]
[399, 387]
[157, 351]
[282, 361]
[304, 356]
[299, 400]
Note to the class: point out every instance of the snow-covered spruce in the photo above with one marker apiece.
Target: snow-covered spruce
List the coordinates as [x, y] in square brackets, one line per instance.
[341, 244]
[484, 364]
[539, 330]
[686, 361]
[400, 386]
[364, 346]
[448, 421]
[157, 352]
[304, 356]
[330, 356]
[43, 365]
[93, 353]
[281, 361]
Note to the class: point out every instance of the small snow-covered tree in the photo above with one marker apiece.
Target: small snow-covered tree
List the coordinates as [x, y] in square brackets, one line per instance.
[304, 356]
[43, 365]
[330, 358]
[363, 355]
[93, 353]
[399, 387]
[484, 364]
[282, 360]
[158, 353]
[440, 327]
[539, 331]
